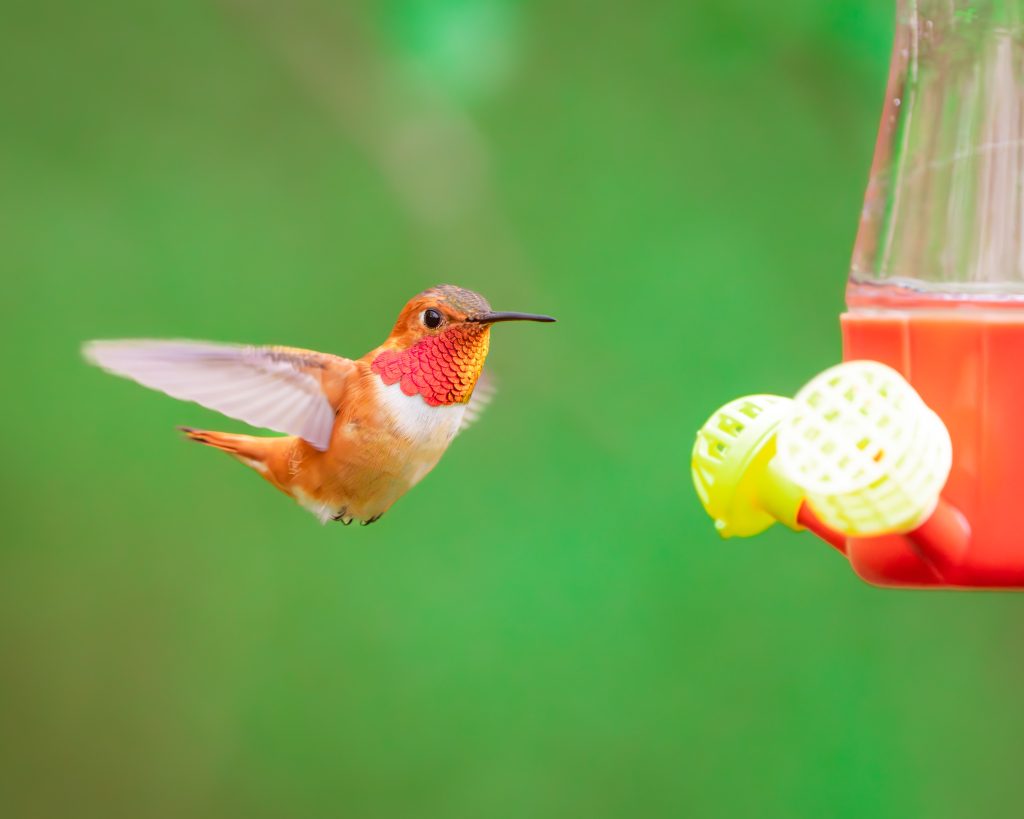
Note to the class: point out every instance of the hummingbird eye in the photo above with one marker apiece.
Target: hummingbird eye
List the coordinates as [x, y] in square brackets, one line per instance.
[432, 318]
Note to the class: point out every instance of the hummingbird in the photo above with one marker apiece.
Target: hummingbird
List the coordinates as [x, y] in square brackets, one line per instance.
[357, 434]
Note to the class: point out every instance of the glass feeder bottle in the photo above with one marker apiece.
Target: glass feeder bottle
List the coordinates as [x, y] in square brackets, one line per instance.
[936, 286]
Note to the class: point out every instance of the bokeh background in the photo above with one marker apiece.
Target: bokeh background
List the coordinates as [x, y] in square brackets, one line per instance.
[548, 626]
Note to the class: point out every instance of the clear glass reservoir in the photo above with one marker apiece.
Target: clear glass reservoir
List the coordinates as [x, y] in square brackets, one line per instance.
[943, 216]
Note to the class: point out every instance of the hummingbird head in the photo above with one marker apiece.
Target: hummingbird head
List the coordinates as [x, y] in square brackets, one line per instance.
[439, 344]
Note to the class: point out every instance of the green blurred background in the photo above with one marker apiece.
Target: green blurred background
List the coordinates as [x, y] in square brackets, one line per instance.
[548, 626]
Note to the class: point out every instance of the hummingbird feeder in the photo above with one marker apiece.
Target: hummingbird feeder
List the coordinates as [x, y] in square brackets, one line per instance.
[909, 457]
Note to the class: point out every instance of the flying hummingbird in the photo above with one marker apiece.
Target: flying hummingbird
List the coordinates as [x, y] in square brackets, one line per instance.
[358, 433]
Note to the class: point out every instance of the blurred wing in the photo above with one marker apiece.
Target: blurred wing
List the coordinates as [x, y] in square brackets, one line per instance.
[279, 388]
[482, 395]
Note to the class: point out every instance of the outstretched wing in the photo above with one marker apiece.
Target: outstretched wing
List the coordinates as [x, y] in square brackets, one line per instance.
[482, 395]
[280, 388]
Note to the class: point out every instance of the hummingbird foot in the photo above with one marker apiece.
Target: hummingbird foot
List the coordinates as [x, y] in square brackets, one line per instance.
[343, 516]
[374, 519]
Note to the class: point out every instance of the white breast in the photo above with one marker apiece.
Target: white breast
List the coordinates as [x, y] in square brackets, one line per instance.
[429, 428]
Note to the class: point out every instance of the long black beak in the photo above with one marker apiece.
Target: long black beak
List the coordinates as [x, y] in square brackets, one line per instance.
[494, 318]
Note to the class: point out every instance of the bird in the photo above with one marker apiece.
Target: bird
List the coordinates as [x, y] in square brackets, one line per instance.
[357, 433]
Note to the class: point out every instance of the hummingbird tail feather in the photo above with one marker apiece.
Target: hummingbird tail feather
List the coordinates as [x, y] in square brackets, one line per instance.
[250, 450]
